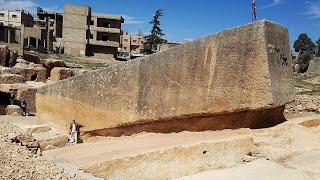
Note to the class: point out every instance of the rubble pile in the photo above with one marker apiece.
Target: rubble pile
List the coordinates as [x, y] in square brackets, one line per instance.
[304, 103]
[17, 162]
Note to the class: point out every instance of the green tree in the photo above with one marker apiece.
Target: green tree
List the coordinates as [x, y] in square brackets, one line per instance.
[304, 44]
[306, 49]
[154, 38]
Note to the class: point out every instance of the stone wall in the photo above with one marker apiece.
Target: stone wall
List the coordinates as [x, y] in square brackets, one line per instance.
[244, 70]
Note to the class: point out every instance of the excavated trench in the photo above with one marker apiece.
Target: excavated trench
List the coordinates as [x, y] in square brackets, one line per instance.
[254, 119]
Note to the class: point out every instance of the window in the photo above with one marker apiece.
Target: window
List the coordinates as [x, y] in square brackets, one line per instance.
[1, 14]
[126, 40]
[134, 41]
[125, 48]
[91, 22]
[14, 16]
[91, 36]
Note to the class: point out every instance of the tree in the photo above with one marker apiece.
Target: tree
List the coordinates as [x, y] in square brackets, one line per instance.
[306, 49]
[318, 48]
[304, 44]
[154, 38]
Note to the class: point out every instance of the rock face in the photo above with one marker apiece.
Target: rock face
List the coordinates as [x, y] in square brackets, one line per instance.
[241, 77]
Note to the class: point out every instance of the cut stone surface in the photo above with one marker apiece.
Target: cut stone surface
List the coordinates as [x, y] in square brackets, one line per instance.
[289, 150]
[314, 66]
[13, 110]
[49, 64]
[201, 85]
[60, 73]
[11, 79]
[259, 169]
[29, 95]
[160, 156]
[37, 74]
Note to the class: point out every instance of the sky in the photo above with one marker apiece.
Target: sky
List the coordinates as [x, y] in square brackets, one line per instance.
[192, 19]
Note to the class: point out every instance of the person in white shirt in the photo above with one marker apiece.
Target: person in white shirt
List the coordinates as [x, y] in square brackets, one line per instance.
[74, 129]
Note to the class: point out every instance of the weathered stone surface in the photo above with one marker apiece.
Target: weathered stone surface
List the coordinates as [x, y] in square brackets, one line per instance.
[314, 66]
[13, 110]
[4, 55]
[49, 64]
[7, 70]
[37, 74]
[11, 79]
[29, 95]
[173, 155]
[192, 87]
[60, 73]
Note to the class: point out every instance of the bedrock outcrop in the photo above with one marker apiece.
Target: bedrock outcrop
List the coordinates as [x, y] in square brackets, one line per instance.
[240, 77]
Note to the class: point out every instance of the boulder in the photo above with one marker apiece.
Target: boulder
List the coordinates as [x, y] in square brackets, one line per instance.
[13, 110]
[29, 95]
[31, 58]
[11, 79]
[314, 66]
[49, 64]
[59, 73]
[57, 141]
[238, 78]
[37, 74]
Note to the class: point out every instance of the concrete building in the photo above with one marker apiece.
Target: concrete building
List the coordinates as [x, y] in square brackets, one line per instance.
[55, 21]
[15, 18]
[90, 34]
[12, 23]
[131, 43]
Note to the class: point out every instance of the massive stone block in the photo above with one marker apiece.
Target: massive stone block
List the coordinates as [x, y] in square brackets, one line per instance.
[241, 77]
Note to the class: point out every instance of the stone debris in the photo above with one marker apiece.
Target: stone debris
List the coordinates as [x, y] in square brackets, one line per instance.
[13, 110]
[304, 103]
[17, 162]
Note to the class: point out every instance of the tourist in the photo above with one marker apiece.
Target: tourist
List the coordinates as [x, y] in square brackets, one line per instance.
[12, 96]
[24, 107]
[74, 131]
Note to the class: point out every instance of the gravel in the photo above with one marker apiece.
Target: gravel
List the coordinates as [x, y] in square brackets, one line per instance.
[17, 162]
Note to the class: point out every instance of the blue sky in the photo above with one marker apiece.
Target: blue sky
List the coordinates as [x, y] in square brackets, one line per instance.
[192, 19]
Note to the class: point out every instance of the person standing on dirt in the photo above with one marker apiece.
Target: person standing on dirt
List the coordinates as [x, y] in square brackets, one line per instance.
[74, 131]
[12, 96]
[24, 107]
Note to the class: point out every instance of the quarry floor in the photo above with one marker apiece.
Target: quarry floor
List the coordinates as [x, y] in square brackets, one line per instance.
[290, 150]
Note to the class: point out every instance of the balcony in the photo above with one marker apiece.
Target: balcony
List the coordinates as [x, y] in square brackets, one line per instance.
[107, 30]
[104, 43]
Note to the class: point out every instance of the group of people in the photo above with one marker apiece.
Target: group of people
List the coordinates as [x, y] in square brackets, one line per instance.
[23, 103]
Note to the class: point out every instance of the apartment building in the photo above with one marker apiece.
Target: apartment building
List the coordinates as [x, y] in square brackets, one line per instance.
[90, 34]
[131, 43]
[11, 23]
[55, 21]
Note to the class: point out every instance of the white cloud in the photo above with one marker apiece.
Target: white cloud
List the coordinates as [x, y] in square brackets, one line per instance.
[272, 3]
[131, 20]
[313, 9]
[27, 5]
